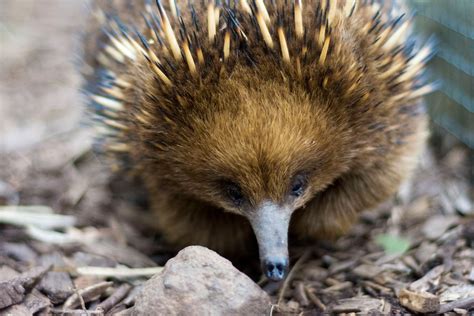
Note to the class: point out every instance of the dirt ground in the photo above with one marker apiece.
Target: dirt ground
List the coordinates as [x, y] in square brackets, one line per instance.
[419, 247]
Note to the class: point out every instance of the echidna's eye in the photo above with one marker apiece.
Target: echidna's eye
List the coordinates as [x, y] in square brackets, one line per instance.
[235, 193]
[298, 185]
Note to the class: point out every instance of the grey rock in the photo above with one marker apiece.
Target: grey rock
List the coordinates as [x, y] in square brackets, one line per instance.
[200, 282]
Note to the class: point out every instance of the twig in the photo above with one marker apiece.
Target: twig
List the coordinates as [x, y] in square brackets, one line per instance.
[37, 216]
[381, 288]
[337, 287]
[314, 299]
[81, 299]
[290, 275]
[51, 236]
[300, 294]
[115, 298]
[78, 312]
[119, 272]
[36, 209]
[464, 303]
[87, 294]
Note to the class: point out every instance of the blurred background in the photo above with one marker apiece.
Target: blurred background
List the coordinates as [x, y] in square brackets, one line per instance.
[451, 107]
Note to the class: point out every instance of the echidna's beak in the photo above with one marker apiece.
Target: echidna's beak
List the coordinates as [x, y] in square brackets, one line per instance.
[270, 224]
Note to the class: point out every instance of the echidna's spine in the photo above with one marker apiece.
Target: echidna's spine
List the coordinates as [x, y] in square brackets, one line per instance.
[217, 35]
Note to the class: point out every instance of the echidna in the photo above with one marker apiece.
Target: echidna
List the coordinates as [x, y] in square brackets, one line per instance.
[258, 118]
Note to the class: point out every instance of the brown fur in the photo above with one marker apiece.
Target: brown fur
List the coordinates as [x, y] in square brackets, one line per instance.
[261, 122]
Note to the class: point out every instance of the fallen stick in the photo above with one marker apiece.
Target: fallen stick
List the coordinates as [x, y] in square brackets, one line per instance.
[36, 216]
[86, 295]
[464, 303]
[118, 272]
[115, 298]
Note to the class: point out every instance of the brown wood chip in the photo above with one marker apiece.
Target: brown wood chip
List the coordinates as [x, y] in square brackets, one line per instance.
[11, 292]
[74, 312]
[421, 302]
[300, 294]
[57, 286]
[36, 302]
[314, 299]
[367, 271]
[362, 304]
[432, 277]
[16, 310]
[115, 298]
[465, 303]
[337, 287]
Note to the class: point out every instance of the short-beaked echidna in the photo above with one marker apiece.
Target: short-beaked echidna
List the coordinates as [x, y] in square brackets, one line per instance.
[258, 118]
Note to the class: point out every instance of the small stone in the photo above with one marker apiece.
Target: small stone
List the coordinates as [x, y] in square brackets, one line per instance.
[200, 282]
[421, 302]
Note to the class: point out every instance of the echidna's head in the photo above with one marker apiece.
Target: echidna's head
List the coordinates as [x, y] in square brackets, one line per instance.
[253, 147]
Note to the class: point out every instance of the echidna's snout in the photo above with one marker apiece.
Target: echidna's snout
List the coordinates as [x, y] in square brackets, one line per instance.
[270, 224]
[275, 268]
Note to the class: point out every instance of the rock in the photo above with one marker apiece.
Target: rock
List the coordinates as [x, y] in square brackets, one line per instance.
[200, 282]
[421, 302]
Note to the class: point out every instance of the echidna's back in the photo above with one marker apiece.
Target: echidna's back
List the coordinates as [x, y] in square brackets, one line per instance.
[94, 37]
